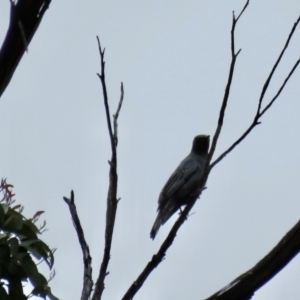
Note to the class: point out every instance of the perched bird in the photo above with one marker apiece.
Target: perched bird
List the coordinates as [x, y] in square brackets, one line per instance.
[183, 183]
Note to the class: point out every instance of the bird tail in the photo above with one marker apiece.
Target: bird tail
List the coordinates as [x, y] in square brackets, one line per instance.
[158, 222]
[163, 215]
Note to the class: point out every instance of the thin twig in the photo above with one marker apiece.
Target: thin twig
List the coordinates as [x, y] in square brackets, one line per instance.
[281, 88]
[116, 115]
[266, 85]
[105, 97]
[228, 86]
[87, 260]
[242, 10]
[259, 112]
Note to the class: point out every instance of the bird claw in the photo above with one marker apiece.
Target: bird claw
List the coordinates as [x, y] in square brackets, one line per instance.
[180, 212]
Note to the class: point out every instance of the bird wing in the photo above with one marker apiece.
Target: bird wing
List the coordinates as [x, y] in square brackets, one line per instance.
[187, 168]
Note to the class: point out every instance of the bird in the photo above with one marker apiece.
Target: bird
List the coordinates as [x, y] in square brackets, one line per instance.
[183, 184]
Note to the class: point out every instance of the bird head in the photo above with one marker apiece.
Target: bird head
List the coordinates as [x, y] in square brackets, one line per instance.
[200, 144]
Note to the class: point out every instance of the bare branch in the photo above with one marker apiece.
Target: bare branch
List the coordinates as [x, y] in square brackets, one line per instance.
[281, 88]
[116, 115]
[228, 86]
[260, 113]
[112, 200]
[246, 284]
[102, 79]
[87, 260]
[266, 85]
[247, 3]
[233, 145]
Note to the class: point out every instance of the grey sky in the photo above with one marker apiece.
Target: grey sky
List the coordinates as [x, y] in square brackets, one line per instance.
[173, 57]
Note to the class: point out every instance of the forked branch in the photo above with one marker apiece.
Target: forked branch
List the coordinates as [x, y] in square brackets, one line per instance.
[260, 112]
[228, 86]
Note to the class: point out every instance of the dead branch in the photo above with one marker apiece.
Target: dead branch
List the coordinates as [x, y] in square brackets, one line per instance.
[112, 201]
[260, 112]
[25, 18]
[228, 86]
[87, 260]
[116, 115]
[244, 286]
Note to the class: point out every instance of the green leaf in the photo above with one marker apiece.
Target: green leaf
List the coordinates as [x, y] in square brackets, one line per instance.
[44, 291]
[5, 207]
[41, 291]
[14, 221]
[19, 244]
[4, 255]
[14, 245]
[21, 252]
[3, 238]
[16, 271]
[16, 289]
[25, 243]
[40, 248]
[25, 233]
[2, 214]
[3, 294]
[38, 280]
[31, 270]
[32, 226]
[51, 296]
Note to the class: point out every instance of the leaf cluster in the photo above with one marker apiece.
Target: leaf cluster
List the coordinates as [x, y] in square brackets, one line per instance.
[19, 246]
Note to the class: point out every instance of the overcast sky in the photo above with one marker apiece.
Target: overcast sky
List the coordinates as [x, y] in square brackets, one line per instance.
[173, 57]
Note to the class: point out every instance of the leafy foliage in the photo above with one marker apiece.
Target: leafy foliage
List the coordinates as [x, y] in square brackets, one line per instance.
[19, 244]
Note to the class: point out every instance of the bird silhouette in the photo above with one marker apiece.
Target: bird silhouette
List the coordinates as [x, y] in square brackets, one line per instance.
[183, 183]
